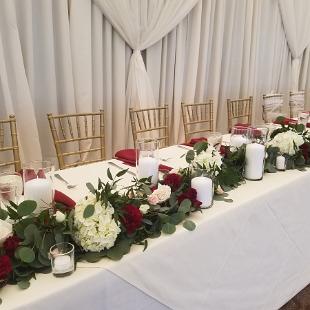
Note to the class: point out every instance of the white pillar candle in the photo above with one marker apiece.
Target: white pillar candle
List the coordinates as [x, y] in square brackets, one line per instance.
[237, 140]
[204, 188]
[280, 162]
[148, 166]
[254, 161]
[39, 190]
[62, 264]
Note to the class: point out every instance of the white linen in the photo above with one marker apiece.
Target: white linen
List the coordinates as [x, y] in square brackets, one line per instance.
[253, 253]
[296, 23]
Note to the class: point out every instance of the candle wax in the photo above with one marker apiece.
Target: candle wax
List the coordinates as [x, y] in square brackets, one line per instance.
[204, 188]
[62, 264]
[254, 161]
[280, 162]
[148, 166]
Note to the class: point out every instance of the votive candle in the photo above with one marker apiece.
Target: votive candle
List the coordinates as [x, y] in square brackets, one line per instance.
[148, 166]
[254, 161]
[204, 188]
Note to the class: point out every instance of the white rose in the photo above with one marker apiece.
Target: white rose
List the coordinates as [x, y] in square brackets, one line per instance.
[60, 217]
[144, 208]
[5, 231]
[163, 193]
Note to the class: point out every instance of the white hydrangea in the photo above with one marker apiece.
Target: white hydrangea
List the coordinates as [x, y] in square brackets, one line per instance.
[98, 231]
[288, 142]
[210, 159]
[144, 208]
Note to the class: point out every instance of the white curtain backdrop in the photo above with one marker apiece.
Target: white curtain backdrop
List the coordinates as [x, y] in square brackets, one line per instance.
[66, 57]
[296, 23]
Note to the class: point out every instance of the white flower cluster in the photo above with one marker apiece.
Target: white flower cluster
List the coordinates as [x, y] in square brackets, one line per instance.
[160, 195]
[288, 142]
[98, 231]
[210, 159]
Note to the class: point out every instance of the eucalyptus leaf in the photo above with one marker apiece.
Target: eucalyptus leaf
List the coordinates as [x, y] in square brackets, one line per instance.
[163, 218]
[168, 228]
[109, 174]
[91, 188]
[190, 155]
[26, 207]
[23, 284]
[189, 225]
[115, 253]
[92, 257]
[185, 206]
[121, 173]
[89, 211]
[26, 254]
[177, 218]
[3, 214]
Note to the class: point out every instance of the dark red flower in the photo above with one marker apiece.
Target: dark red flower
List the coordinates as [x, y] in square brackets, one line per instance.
[173, 180]
[190, 194]
[305, 149]
[5, 267]
[224, 150]
[132, 218]
[10, 245]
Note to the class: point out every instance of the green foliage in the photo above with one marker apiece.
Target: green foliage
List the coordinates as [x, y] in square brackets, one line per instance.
[89, 211]
[189, 225]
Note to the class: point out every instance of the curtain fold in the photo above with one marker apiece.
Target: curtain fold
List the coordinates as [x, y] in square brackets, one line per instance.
[296, 23]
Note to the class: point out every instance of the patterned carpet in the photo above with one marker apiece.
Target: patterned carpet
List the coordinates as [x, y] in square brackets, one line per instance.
[300, 302]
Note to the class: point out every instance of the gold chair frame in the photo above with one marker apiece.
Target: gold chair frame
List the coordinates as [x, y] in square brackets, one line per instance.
[197, 114]
[239, 108]
[148, 121]
[11, 122]
[60, 137]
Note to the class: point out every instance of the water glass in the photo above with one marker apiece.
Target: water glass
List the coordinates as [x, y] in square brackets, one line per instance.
[38, 185]
[147, 159]
[62, 259]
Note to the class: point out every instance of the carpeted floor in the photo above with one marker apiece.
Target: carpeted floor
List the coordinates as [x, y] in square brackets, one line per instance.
[300, 302]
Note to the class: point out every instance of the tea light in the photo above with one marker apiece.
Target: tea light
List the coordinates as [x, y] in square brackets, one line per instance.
[204, 188]
[280, 162]
[39, 190]
[237, 140]
[148, 166]
[254, 161]
[62, 264]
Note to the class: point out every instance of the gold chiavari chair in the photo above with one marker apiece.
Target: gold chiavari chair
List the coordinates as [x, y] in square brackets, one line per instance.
[239, 111]
[150, 123]
[197, 118]
[78, 131]
[9, 146]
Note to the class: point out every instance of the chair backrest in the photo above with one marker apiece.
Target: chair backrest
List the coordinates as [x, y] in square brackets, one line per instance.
[78, 132]
[272, 107]
[297, 103]
[239, 111]
[150, 123]
[9, 143]
[197, 118]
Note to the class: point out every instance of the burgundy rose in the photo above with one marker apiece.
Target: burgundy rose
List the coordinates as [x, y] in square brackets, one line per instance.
[132, 218]
[305, 151]
[190, 194]
[10, 245]
[173, 180]
[5, 267]
[224, 150]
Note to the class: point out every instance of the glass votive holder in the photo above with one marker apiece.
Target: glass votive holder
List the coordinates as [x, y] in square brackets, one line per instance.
[15, 179]
[281, 162]
[214, 139]
[303, 118]
[147, 159]
[62, 259]
[7, 194]
[238, 136]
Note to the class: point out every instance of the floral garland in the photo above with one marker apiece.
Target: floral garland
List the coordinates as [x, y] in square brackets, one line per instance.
[108, 222]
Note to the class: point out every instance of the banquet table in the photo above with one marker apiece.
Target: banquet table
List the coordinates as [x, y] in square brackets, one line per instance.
[252, 253]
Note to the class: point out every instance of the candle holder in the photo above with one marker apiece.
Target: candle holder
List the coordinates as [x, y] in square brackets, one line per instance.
[7, 194]
[62, 259]
[214, 139]
[147, 159]
[255, 153]
[303, 118]
[14, 179]
[281, 162]
[38, 185]
[239, 136]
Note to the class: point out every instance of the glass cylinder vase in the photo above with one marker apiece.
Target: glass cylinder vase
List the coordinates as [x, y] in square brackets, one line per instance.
[255, 153]
[38, 185]
[147, 159]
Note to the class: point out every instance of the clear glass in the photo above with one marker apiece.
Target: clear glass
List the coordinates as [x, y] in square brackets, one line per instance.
[38, 184]
[257, 134]
[62, 259]
[147, 159]
[15, 179]
[303, 118]
[215, 139]
[239, 136]
[7, 194]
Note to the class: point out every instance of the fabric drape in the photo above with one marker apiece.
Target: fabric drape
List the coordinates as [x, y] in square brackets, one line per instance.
[296, 23]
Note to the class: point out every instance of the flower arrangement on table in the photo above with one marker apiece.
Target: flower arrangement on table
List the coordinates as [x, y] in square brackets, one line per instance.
[291, 142]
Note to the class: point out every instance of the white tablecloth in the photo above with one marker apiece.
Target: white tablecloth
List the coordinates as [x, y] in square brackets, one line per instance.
[253, 253]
